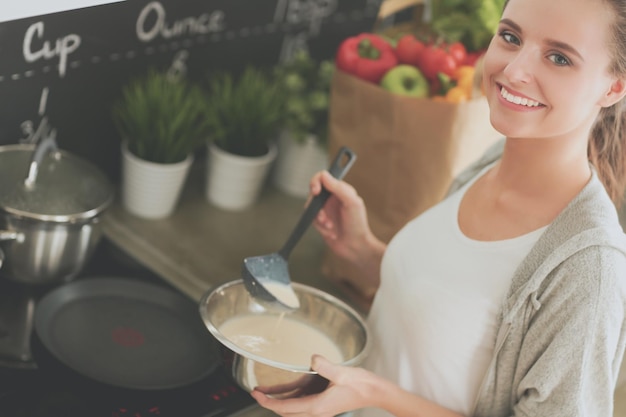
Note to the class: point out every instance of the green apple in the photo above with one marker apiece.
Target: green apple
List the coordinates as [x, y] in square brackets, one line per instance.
[405, 79]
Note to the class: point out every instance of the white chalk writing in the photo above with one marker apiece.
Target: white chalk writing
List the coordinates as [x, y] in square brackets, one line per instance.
[60, 47]
[32, 133]
[152, 23]
[304, 11]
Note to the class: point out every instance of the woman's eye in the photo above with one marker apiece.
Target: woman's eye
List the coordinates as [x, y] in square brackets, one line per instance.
[559, 60]
[509, 37]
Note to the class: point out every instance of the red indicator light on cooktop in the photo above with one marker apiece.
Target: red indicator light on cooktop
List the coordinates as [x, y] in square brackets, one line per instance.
[127, 336]
[125, 412]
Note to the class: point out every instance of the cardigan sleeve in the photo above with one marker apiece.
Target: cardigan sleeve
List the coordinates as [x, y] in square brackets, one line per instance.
[574, 343]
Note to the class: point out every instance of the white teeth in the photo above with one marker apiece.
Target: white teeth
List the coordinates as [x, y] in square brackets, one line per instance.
[517, 100]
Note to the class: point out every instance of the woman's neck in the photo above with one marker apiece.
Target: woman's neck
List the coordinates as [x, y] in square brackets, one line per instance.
[543, 167]
[527, 189]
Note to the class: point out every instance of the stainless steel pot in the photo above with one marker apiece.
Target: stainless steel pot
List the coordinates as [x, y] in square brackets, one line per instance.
[51, 204]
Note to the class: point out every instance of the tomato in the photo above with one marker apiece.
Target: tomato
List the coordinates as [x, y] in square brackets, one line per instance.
[434, 60]
[409, 49]
[458, 51]
[447, 64]
[472, 57]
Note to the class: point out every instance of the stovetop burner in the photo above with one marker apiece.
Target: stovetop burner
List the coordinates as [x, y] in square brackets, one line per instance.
[32, 394]
[30, 389]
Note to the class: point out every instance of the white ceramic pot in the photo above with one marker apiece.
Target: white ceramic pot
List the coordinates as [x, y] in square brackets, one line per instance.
[234, 182]
[296, 163]
[152, 190]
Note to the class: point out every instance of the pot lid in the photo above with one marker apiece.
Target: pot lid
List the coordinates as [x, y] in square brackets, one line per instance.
[66, 187]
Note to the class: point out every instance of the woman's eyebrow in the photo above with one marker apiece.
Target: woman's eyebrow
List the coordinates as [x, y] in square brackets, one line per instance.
[512, 24]
[565, 47]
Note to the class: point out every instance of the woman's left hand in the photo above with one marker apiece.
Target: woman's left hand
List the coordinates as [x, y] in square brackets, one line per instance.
[348, 390]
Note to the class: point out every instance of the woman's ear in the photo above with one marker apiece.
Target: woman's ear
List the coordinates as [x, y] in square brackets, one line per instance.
[615, 93]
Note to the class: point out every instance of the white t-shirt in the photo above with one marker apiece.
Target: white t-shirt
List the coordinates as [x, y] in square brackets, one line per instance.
[433, 319]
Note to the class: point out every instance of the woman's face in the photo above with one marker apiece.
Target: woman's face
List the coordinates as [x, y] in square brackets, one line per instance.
[546, 70]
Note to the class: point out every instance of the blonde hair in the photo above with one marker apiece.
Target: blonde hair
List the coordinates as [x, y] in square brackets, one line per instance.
[607, 144]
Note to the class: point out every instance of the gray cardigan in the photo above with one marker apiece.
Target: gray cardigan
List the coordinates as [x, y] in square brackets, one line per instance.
[562, 329]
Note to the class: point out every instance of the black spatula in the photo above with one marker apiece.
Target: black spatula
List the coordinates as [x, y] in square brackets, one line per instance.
[266, 277]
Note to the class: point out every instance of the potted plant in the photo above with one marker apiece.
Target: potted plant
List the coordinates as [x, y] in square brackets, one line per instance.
[161, 122]
[303, 141]
[244, 115]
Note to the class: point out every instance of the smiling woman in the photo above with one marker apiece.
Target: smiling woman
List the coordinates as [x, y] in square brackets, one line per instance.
[23, 9]
[506, 298]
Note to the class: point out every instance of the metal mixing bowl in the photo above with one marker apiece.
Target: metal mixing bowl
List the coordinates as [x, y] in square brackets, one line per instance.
[342, 324]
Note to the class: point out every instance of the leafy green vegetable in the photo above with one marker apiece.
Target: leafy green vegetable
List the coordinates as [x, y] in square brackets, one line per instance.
[306, 87]
[473, 22]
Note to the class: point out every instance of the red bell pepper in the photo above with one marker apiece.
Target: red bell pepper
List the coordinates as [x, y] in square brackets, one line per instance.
[367, 56]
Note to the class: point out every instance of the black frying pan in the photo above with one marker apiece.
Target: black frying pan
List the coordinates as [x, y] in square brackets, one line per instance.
[126, 333]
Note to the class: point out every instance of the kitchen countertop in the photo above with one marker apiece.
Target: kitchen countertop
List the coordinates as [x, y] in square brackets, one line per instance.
[201, 246]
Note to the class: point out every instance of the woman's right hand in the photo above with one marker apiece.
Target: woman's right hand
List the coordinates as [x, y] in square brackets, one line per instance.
[343, 224]
[342, 221]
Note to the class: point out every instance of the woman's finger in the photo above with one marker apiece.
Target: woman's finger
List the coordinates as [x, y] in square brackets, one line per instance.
[315, 185]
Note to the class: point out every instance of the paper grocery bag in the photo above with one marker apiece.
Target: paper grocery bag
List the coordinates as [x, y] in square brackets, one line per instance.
[408, 151]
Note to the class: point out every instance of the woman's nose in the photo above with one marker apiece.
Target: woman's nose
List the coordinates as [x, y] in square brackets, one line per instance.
[520, 68]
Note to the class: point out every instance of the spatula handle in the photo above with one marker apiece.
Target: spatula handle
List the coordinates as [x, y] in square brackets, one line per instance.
[342, 163]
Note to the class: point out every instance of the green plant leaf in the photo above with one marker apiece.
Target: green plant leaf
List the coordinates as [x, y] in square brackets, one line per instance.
[162, 119]
[246, 113]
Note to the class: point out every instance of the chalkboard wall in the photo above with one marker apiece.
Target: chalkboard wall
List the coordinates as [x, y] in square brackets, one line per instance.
[64, 70]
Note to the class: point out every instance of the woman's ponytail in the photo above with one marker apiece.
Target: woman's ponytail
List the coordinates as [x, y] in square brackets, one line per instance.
[607, 149]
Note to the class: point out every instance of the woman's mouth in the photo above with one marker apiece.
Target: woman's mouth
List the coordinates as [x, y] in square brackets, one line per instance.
[522, 101]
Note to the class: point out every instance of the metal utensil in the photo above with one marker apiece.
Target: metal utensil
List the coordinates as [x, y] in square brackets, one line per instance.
[250, 369]
[266, 277]
[47, 145]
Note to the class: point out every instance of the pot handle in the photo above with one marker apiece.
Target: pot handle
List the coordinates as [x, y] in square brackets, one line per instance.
[6, 235]
[9, 235]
